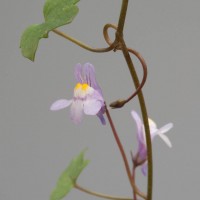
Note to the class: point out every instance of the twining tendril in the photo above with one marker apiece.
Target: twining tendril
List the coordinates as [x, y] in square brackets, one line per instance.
[112, 46]
[119, 36]
[121, 103]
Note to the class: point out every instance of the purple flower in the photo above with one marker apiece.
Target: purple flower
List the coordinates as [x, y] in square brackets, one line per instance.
[141, 156]
[87, 98]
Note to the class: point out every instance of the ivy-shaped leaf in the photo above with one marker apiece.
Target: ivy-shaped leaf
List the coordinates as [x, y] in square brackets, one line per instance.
[68, 177]
[56, 13]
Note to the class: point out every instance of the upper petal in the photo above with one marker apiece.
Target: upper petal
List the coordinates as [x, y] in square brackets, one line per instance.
[78, 73]
[60, 104]
[90, 77]
[139, 127]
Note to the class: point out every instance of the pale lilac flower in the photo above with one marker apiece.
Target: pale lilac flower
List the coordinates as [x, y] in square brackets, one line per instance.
[141, 156]
[87, 98]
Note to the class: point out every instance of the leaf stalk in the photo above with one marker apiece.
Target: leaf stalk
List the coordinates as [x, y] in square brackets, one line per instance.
[105, 196]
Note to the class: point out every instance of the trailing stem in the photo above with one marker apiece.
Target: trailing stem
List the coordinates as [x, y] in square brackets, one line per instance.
[119, 37]
[144, 115]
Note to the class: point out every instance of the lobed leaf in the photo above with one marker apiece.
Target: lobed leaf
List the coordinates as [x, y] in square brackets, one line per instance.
[68, 178]
[56, 13]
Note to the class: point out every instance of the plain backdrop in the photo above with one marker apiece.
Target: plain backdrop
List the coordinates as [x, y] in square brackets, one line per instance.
[36, 144]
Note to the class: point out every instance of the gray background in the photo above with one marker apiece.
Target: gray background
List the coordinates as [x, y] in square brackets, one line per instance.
[36, 144]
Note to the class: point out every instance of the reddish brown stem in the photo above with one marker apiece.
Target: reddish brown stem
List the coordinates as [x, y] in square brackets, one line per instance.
[128, 171]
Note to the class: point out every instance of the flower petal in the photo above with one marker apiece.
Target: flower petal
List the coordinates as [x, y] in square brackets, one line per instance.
[101, 117]
[165, 139]
[78, 73]
[139, 127]
[166, 128]
[92, 106]
[163, 130]
[96, 95]
[90, 77]
[142, 150]
[144, 168]
[153, 128]
[152, 123]
[60, 104]
[76, 112]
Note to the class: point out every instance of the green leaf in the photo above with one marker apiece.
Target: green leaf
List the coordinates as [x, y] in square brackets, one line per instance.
[30, 39]
[60, 12]
[68, 177]
[56, 13]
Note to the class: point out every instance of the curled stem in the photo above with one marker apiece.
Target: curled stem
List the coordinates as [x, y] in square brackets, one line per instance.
[121, 103]
[105, 196]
